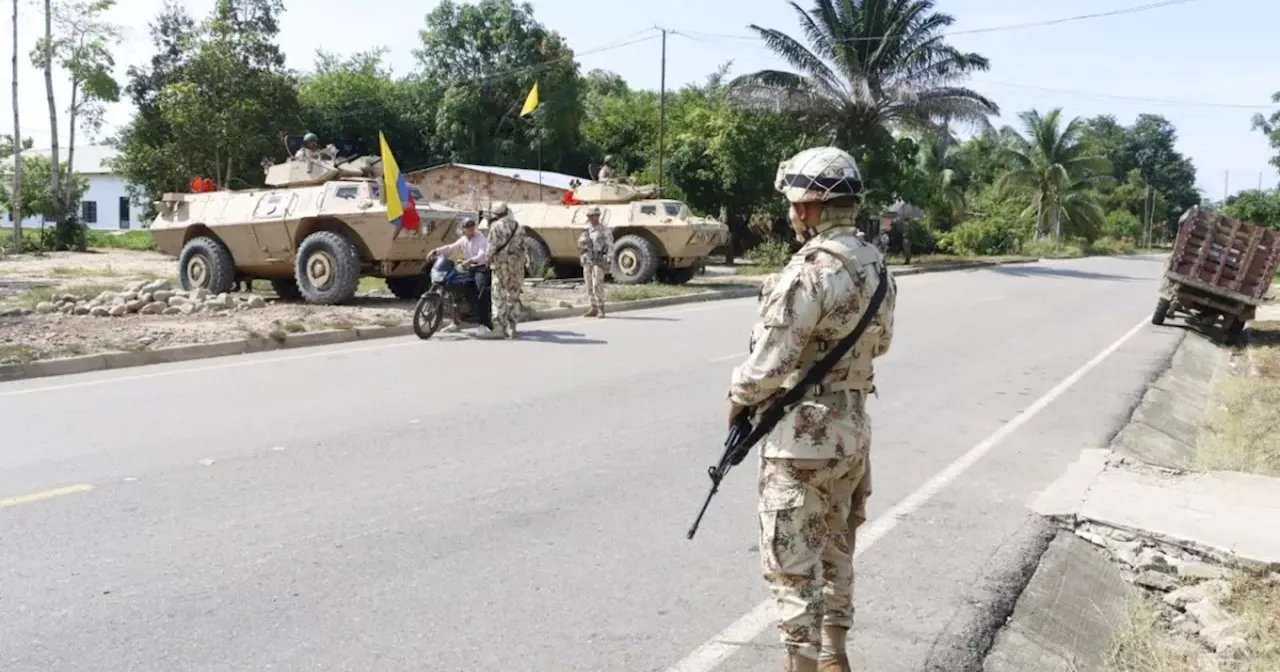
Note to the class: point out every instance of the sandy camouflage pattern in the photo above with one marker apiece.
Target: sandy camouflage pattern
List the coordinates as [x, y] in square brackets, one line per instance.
[595, 249]
[508, 273]
[814, 475]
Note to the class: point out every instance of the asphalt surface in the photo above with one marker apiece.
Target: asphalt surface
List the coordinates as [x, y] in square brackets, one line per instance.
[463, 505]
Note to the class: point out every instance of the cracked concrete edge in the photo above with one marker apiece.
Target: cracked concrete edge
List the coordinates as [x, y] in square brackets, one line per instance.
[181, 353]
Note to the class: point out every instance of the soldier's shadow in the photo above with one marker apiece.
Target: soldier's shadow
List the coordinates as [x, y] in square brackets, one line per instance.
[558, 337]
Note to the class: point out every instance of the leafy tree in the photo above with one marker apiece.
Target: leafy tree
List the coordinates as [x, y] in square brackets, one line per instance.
[871, 67]
[945, 202]
[1151, 148]
[38, 198]
[147, 156]
[1271, 127]
[82, 46]
[484, 58]
[1057, 169]
[1259, 207]
[352, 100]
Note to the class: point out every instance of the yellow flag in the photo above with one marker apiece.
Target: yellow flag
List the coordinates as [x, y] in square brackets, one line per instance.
[531, 102]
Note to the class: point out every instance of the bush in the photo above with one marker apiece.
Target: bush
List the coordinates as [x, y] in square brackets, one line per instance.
[984, 237]
[773, 253]
[1107, 246]
[133, 240]
[1122, 225]
[69, 235]
[924, 239]
[1049, 248]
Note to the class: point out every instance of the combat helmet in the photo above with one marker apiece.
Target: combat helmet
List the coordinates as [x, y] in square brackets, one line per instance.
[499, 209]
[819, 174]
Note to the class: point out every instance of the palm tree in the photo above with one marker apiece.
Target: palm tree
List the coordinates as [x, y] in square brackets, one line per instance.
[1053, 165]
[871, 67]
[946, 200]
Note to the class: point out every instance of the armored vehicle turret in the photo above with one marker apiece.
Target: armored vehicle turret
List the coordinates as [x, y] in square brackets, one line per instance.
[316, 228]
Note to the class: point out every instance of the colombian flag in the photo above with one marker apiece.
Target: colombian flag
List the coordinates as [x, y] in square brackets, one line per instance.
[401, 210]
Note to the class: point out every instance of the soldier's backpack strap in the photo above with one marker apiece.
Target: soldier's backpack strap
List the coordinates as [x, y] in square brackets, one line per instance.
[514, 232]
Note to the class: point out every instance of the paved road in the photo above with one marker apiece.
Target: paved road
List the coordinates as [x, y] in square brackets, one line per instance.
[458, 505]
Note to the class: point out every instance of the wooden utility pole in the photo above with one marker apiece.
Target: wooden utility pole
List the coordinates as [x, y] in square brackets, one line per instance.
[662, 109]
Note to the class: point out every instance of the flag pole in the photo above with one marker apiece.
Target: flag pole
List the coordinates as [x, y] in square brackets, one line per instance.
[537, 129]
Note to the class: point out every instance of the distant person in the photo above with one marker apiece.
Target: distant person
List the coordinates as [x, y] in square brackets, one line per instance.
[595, 250]
[606, 170]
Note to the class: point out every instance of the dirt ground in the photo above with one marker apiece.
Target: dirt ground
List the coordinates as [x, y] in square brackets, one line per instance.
[26, 281]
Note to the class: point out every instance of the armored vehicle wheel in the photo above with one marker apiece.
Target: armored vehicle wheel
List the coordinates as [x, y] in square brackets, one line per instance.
[286, 288]
[1162, 311]
[206, 264]
[677, 276]
[539, 258]
[327, 268]
[409, 288]
[635, 260]
[427, 314]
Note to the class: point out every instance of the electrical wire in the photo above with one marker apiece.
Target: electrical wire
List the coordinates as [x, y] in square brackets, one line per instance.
[992, 29]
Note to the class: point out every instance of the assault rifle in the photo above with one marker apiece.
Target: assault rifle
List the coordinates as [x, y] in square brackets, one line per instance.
[743, 434]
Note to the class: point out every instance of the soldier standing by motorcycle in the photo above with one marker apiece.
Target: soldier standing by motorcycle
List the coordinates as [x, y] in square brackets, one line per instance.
[595, 249]
[507, 260]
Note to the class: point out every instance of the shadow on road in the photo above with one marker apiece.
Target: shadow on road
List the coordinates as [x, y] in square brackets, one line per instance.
[558, 337]
[1044, 271]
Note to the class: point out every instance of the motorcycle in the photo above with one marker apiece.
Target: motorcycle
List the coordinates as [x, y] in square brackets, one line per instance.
[451, 292]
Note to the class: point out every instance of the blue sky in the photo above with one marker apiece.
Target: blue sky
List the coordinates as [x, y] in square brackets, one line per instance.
[1191, 61]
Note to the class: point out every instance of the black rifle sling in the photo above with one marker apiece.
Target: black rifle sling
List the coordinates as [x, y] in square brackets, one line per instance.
[818, 371]
[516, 232]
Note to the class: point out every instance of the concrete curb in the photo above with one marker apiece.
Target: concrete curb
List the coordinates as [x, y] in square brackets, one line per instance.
[182, 353]
[963, 266]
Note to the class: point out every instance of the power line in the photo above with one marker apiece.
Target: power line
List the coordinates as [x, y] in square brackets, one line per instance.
[992, 29]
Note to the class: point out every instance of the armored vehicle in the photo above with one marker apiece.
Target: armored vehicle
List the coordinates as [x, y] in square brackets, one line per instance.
[316, 228]
[653, 238]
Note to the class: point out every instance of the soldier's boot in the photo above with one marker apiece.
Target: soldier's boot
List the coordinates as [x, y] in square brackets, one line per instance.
[600, 311]
[835, 654]
[798, 663]
[594, 312]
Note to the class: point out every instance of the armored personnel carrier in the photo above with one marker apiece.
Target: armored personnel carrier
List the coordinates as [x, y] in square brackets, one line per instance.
[653, 238]
[318, 226]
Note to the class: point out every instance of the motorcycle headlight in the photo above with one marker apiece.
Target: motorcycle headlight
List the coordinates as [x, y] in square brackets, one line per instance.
[437, 276]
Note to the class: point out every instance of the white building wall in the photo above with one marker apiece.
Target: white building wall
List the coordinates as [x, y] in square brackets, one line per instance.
[107, 193]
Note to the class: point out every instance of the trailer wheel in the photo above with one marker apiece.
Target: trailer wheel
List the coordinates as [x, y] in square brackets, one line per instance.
[1162, 311]
[1236, 335]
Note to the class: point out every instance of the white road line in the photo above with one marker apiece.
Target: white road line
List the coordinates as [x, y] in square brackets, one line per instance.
[736, 355]
[397, 343]
[712, 654]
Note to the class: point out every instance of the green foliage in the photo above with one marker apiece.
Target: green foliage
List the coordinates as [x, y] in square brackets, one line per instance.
[1122, 225]
[1271, 127]
[69, 235]
[38, 199]
[1259, 207]
[772, 254]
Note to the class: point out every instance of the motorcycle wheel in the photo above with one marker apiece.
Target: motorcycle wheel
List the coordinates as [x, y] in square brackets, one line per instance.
[427, 314]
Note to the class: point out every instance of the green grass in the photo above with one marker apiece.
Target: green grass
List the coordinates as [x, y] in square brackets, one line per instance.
[1243, 434]
[133, 240]
[22, 353]
[650, 291]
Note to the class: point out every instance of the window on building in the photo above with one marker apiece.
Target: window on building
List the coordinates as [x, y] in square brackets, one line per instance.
[124, 212]
[89, 212]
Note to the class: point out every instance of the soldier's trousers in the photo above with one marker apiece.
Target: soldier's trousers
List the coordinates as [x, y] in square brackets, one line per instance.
[508, 284]
[810, 511]
[593, 278]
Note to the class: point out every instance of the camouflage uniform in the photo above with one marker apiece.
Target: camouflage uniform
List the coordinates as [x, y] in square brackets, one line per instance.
[508, 272]
[814, 476]
[595, 249]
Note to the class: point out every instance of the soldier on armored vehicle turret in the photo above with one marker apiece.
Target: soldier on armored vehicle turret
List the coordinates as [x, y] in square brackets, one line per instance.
[606, 170]
[311, 149]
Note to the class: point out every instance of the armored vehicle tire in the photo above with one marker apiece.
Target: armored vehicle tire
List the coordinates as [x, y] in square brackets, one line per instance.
[635, 260]
[1162, 311]
[287, 289]
[677, 276]
[539, 258]
[327, 268]
[409, 288]
[205, 263]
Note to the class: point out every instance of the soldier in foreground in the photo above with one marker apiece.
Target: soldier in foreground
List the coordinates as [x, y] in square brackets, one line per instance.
[507, 261]
[815, 463]
[595, 249]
